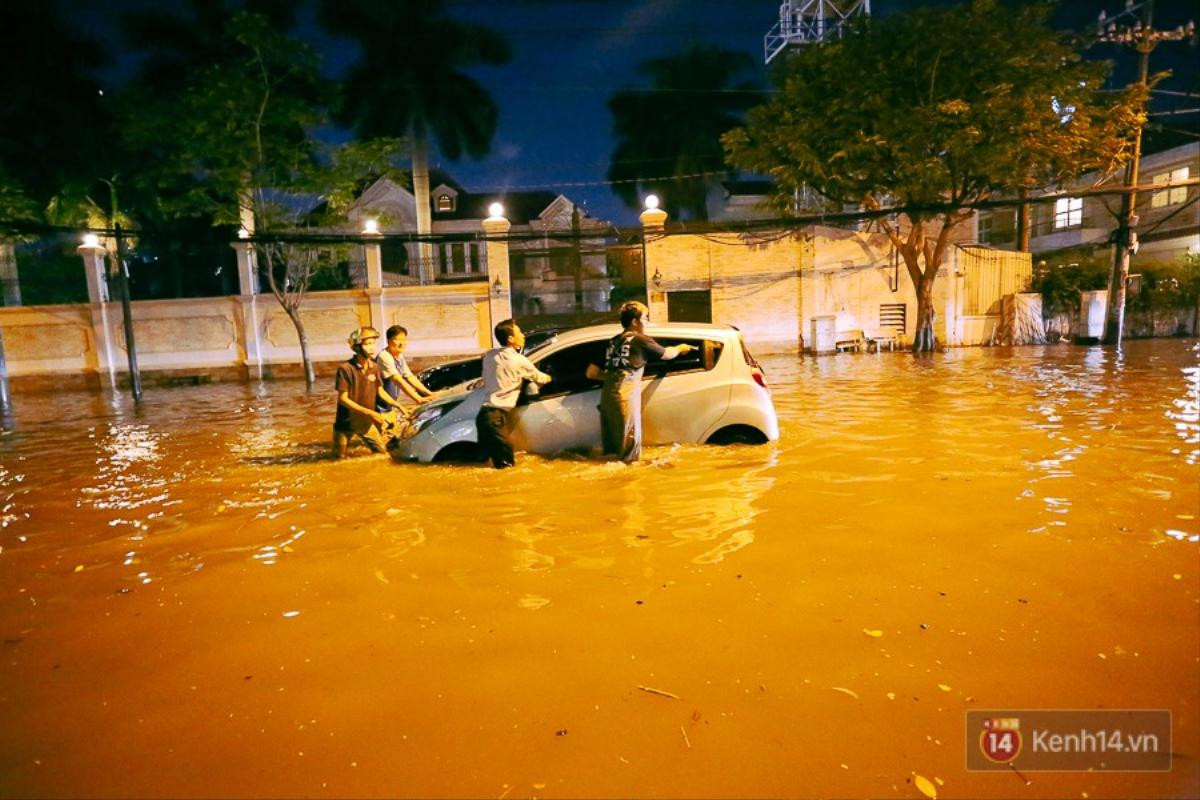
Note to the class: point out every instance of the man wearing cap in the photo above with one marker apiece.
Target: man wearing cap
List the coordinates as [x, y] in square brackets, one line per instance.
[358, 388]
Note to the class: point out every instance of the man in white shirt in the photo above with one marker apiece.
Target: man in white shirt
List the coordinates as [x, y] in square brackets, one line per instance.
[505, 369]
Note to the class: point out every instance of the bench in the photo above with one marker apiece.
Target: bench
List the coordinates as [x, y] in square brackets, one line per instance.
[877, 341]
[849, 340]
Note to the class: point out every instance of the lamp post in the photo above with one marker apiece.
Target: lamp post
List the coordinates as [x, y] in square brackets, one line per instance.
[122, 268]
[1142, 37]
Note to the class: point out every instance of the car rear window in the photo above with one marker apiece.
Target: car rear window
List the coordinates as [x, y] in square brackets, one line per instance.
[704, 358]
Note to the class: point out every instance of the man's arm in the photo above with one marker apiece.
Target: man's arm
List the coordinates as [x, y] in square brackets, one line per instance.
[534, 374]
[653, 348]
[671, 352]
[421, 389]
[344, 399]
[411, 391]
[389, 400]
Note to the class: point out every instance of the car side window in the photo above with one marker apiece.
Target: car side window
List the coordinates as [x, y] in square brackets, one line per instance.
[567, 370]
[703, 358]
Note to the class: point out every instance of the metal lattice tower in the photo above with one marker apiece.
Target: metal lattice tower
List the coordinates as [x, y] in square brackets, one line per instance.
[810, 21]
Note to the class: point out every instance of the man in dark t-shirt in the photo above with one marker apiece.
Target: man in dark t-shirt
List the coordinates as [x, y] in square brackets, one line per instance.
[358, 387]
[621, 394]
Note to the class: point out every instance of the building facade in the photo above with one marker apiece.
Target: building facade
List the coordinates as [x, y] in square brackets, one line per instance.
[556, 251]
[1078, 229]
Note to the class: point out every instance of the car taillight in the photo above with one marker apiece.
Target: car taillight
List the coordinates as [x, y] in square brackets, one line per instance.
[759, 378]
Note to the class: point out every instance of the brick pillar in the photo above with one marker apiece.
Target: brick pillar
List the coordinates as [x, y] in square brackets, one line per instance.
[499, 279]
[95, 270]
[654, 220]
[374, 257]
[247, 261]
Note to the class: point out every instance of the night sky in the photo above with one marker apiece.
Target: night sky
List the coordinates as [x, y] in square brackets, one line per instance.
[569, 56]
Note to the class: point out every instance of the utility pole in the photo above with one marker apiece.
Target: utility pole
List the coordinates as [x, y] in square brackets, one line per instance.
[1144, 38]
[135, 377]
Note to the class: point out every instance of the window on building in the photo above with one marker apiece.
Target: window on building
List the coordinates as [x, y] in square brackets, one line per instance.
[1068, 212]
[985, 229]
[460, 258]
[1173, 196]
[445, 203]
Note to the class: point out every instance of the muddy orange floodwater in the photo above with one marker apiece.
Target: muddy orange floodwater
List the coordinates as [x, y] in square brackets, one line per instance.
[196, 601]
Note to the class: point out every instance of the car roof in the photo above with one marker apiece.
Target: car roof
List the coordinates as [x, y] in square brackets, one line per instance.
[669, 329]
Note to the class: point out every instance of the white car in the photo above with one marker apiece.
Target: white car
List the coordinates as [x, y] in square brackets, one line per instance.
[715, 394]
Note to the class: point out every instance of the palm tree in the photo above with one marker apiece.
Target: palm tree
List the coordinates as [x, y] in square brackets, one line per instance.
[669, 136]
[409, 81]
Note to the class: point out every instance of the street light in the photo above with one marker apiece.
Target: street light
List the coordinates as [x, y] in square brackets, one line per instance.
[1143, 38]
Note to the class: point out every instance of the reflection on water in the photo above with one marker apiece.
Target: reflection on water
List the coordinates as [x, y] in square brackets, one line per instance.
[242, 615]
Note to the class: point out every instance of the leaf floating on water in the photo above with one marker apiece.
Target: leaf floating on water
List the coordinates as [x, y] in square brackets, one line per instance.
[891, 695]
[382, 578]
[79, 568]
[532, 602]
[925, 786]
[850, 692]
[943, 687]
[659, 692]
[874, 633]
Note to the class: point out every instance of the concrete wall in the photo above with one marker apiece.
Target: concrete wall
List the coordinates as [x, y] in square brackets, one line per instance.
[754, 280]
[224, 338]
[772, 285]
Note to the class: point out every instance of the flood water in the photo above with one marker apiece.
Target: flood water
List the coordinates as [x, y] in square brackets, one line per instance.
[196, 601]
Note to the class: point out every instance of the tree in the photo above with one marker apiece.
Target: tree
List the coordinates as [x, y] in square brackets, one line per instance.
[410, 81]
[669, 136]
[933, 111]
[54, 115]
[238, 145]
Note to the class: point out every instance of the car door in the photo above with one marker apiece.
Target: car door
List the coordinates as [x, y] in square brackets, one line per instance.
[684, 397]
[564, 414]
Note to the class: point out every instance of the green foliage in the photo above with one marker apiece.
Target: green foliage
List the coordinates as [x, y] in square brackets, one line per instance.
[50, 272]
[354, 166]
[940, 105]
[1167, 285]
[239, 133]
[675, 129]
[54, 118]
[1060, 286]
[15, 206]
[935, 110]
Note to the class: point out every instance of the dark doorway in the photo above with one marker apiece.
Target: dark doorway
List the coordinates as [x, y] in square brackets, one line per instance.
[689, 306]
